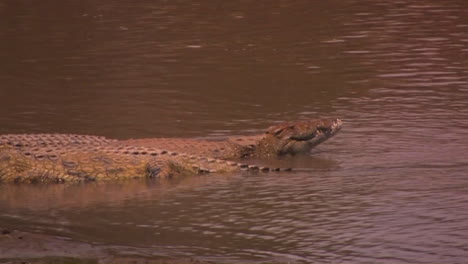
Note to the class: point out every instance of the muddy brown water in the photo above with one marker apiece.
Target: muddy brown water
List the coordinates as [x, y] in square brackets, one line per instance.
[390, 188]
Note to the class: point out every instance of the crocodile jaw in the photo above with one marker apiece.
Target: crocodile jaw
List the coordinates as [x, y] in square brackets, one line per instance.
[299, 137]
[322, 133]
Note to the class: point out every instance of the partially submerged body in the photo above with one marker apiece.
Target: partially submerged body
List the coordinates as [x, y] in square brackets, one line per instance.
[284, 139]
[81, 164]
[68, 157]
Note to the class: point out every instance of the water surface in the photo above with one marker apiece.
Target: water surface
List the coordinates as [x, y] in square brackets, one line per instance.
[390, 188]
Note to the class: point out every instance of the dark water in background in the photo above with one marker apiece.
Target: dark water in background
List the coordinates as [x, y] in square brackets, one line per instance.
[391, 188]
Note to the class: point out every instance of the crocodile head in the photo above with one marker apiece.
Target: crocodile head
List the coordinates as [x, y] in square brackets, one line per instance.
[299, 137]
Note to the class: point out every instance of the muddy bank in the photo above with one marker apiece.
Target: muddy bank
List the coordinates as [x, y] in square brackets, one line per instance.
[18, 247]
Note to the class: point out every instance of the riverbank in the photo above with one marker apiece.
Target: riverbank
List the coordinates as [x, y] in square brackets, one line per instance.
[19, 247]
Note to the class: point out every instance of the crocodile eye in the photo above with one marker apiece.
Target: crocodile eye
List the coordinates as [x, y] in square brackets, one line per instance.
[273, 130]
[278, 130]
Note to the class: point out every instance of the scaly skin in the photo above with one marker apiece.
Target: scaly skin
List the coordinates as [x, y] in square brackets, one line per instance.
[283, 139]
[81, 164]
[69, 158]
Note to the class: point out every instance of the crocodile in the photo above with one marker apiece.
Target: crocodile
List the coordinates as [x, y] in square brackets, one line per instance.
[80, 164]
[74, 158]
[288, 138]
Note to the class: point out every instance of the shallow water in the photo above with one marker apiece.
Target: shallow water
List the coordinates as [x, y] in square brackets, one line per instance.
[390, 188]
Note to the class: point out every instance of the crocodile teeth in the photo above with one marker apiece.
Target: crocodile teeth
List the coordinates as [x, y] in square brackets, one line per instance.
[203, 170]
[253, 167]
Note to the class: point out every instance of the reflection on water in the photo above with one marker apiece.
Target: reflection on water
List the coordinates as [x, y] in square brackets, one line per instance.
[391, 187]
